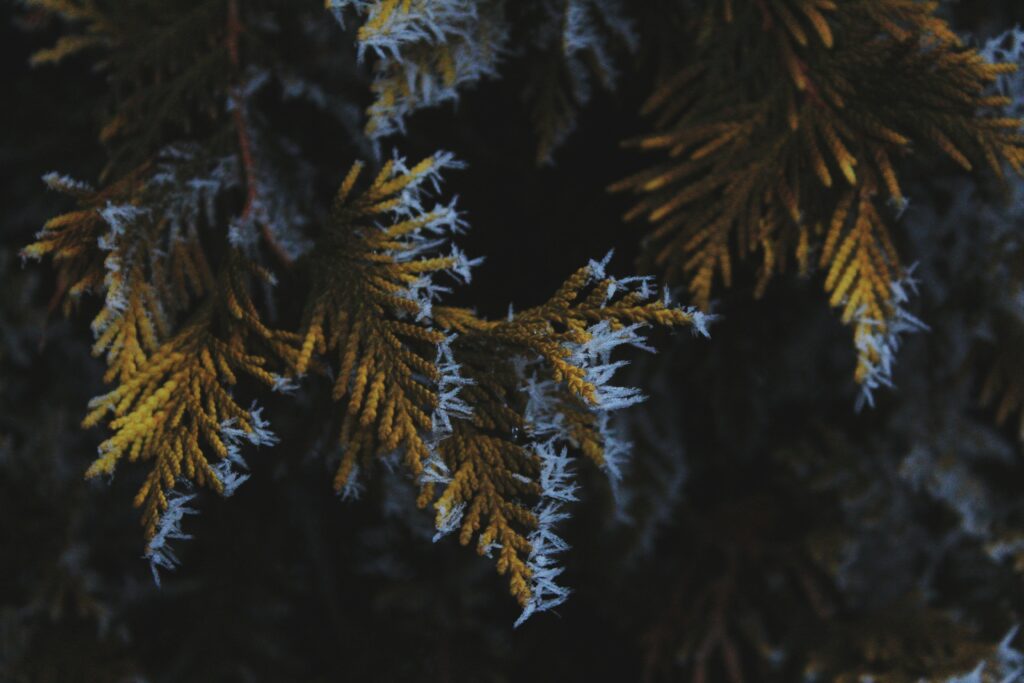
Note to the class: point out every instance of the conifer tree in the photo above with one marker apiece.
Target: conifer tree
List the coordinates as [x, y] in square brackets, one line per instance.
[270, 280]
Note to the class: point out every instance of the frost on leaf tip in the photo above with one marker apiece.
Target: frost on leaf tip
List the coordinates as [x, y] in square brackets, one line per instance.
[424, 51]
[576, 46]
[539, 388]
[376, 276]
[174, 410]
[803, 156]
[159, 551]
[879, 340]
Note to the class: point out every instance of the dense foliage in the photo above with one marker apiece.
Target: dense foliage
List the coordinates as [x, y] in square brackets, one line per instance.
[316, 372]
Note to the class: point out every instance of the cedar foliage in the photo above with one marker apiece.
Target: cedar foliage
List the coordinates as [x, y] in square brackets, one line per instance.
[282, 306]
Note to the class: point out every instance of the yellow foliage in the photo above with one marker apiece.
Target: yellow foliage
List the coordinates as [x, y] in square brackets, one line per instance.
[395, 356]
[111, 241]
[176, 401]
[793, 114]
[363, 310]
[493, 457]
[83, 11]
[72, 239]
[442, 46]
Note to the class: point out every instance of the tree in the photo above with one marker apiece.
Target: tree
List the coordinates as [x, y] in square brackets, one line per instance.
[274, 289]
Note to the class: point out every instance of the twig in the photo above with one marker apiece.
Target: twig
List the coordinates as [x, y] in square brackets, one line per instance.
[245, 139]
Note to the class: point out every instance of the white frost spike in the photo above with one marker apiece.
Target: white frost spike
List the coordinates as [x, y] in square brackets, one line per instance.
[700, 320]
[1011, 660]
[435, 471]
[462, 268]
[274, 207]
[597, 268]
[229, 476]
[555, 476]
[233, 438]
[473, 34]
[584, 32]
[1006, 665]
[885, 344]
[353, 487]
[557, 487]
[441, 222]
[67, 184]
[178, 198]
[616, 447]
[449, 405]
[119, 216]
[159, 552]
[448, 520]
[954, 485]
[543, 411]
[185, 199]
[546, 423]
[594, 355]
[598, 271]
[284, 385]
[1000, 551]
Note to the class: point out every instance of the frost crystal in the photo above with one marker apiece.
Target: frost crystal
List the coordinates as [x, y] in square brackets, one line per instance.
[878, 348]
[118, 217]
[233, 438]
[582, 35]
[67, 184]
[442, 221]
[547, 425]
[448, 520]
[1009, 48]
[557, 487]
[353, 487]
[435, 471]
[159, 552]
[595, 356]
[700, 320]
[449, 405]
[275, 206]
[406, 40]
[188, 187]
[284, 385]
[179, 195]
[1005, 666]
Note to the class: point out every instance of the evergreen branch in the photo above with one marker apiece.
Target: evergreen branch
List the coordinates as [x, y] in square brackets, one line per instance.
[538, 383]
[789, 117]
[176, 400]
[372, 291]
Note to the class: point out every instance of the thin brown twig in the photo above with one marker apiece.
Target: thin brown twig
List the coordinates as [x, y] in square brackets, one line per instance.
[234, 30]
